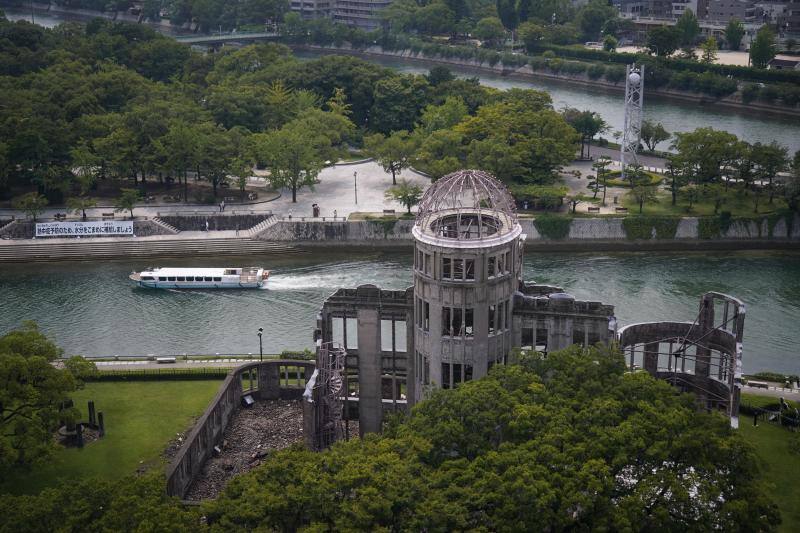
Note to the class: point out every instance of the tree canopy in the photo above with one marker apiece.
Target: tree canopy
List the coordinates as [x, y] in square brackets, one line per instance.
[630, 454]
[32, 392]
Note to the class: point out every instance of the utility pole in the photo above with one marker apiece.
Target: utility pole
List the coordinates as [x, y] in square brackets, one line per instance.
[260, 345]
[355, 185]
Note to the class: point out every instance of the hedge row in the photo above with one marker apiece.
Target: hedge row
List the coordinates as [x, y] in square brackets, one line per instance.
[165, 374]
[553, 226]
[739, 72]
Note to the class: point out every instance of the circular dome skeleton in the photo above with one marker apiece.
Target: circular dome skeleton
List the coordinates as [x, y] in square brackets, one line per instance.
[466, 205]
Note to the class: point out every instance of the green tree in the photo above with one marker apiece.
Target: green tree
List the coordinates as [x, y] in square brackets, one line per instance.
[610, 43]
[507, 12]
[663, 40]
[716, 194]
[734, 32]
[601, 169]
[79, 205]
[770, 159]
[587, 124]
[32, 391]
[688, 28]
[710, 49]
[480, 457]
[531, 34]
[444, 116]
[294, 160]
[707, 152]
[763, 48]
[592, 17]
[397, 103]
[393, 153]
[653, 133]
[405, 193]
[691, 193]
[127, 200]
[32, 204]
[490, 30]
[642, 190]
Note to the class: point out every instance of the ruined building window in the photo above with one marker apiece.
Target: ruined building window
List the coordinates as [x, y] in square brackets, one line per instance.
[458, 269]
[428, 264]
[455, 373]
[490, 266]
[447, 268]
[492, 319]
[498, 317]
[469, 269]
[457, 322]
[426, 316]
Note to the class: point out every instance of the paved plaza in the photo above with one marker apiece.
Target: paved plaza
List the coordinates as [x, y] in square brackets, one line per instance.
[335, 194]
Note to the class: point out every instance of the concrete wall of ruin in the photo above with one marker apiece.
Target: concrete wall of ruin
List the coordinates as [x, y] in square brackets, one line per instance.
[209, 428]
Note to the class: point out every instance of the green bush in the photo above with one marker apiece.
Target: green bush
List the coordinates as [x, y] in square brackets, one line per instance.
[641, 227]
[161, 374]
[709, 227]
[553, 226]
[304, 355]
[596, 71]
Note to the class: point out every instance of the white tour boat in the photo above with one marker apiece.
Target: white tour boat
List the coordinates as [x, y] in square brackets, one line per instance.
[201, 278]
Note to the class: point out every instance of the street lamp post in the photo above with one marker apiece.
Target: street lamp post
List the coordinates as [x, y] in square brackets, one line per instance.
[260, 345]
[355, 185]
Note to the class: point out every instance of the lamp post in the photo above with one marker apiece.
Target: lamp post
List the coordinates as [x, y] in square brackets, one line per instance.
[355, 185]
[260, 345]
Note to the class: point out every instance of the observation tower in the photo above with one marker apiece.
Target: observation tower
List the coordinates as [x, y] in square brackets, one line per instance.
[467, 265]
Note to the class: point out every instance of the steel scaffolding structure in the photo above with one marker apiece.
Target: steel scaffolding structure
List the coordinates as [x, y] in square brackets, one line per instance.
[632, 128]
[327, 393]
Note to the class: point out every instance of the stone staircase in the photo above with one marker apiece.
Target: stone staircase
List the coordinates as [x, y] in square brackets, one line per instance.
[169, 227]
[261, 227]
[86, 250]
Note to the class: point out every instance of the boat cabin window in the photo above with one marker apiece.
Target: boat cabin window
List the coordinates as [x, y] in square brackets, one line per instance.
[207, 278]
[171, 278]
[217, 279]
[147, 278]
[181, 278]
[231, 271]
[162, 278]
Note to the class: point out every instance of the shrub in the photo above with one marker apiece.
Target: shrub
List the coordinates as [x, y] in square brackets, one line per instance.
[642, 227]
[615, 74]
[709, 227]
[750, 92]
[552, 226]
[596, 71]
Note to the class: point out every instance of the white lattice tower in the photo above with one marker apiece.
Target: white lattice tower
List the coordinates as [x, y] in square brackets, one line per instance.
[632, 128]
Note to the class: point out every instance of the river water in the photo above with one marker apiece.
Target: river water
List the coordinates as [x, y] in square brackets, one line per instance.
[674, 115]
[92, 309]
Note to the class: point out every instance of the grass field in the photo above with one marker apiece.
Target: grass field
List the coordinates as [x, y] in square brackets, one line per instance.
[140, 419]
[737, 205]
[781, 469]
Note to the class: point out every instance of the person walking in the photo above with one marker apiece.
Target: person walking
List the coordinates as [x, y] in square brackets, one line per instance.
[223, 206]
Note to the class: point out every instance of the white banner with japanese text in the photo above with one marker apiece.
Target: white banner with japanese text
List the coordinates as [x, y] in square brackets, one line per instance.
[79, 229]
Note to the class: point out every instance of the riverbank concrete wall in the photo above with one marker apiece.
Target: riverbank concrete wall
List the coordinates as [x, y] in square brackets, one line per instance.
[599, 232]
[24, 229]
[526, 72]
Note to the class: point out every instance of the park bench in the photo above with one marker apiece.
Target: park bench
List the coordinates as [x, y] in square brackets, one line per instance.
[621, 209]
[108, 215]
[388, 211]
[60, 216]
[593, 209]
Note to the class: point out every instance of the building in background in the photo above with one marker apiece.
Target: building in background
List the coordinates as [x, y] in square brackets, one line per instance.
[364, 14]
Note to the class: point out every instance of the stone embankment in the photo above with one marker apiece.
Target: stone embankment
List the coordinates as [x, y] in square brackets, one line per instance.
[598, 233]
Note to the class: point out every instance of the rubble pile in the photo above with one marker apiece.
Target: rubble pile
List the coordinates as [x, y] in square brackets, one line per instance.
[251, 435]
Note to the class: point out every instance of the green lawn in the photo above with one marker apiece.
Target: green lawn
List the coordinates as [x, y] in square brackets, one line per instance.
[140, 419]
[780, 467]
[737, 204]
